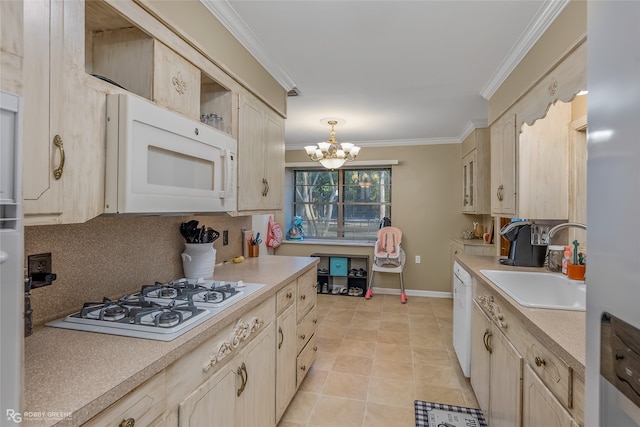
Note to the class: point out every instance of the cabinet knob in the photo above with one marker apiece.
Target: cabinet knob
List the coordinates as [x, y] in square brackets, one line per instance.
[289, 295]
[303, 368]
[315, 320]
[57, 141]
[129, 422]
[540, 361]
[315, 348]
[303, 336]
[303, 297]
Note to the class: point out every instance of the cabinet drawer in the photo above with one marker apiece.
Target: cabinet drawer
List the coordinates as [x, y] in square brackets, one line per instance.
[554, 373]
[305, 359]
[306, 293]
[188, 372]
[143, 405]
[307, 328]
[285, 297]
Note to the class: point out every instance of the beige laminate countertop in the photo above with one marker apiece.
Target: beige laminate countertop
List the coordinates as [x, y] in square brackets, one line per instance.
[82, 373]
[562, 331]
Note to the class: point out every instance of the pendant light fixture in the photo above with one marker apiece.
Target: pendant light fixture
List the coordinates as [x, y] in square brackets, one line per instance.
[330, 154]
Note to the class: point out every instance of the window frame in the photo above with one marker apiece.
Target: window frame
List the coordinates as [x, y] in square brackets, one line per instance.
[340, 203]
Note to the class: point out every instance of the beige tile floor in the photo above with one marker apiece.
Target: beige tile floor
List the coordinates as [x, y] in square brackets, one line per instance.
[375, 357]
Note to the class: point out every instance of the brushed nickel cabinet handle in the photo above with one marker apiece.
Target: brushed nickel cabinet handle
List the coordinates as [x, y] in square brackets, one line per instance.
[57, 172]
[129, 422]
[500, 193]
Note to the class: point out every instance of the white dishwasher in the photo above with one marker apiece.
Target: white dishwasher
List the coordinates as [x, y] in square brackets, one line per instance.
[462, 300]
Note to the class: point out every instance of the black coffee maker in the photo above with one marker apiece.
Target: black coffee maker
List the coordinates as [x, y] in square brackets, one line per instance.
[521, 252]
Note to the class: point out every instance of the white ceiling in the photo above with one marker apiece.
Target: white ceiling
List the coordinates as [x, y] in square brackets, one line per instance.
[398, 72]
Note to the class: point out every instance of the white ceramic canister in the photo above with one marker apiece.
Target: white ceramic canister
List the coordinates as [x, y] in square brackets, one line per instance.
[198, 260]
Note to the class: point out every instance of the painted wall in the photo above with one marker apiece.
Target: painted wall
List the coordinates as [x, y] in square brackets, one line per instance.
[426, 205]
[109, 256]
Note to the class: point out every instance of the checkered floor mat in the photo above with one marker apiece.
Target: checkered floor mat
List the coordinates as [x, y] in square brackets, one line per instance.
[430, 414]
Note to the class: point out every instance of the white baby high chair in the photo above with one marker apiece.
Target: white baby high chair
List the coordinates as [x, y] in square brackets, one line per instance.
[388, 257]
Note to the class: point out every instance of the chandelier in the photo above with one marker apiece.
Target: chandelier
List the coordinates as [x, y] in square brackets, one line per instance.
[330, 154]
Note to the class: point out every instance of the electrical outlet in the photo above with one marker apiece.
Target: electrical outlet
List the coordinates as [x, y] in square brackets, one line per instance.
[39, 268]
[225, 237]
[39, 264]
[417, 259]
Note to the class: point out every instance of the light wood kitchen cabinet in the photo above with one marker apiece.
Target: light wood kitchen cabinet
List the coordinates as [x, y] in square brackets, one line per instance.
[44, 110]
[543, 166]
[503, 166]
[238, 395]
[143, 406]
[496, 372]
[286, 349]
[476, 172]
[513, 375]
[307, 323]
[540, 407]
[148, 68]
[260, 157]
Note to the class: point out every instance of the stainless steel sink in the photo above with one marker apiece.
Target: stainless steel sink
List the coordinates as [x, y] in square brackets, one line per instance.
[540, 290]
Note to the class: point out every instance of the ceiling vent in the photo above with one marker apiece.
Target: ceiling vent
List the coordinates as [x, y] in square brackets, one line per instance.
[294, 92]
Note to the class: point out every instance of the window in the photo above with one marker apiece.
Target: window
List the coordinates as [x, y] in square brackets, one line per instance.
[342, 204]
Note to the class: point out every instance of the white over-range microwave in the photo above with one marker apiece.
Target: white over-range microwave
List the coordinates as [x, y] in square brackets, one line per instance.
[159, 162]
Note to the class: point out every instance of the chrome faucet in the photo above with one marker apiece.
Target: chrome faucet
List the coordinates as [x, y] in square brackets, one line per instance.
[553, 230]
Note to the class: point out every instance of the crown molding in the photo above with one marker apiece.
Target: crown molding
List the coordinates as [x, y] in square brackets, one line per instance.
[229, 18]
[538, 25]
[471, 126]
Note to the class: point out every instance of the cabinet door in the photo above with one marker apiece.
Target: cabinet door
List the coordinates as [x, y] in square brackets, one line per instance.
[539, 406]
[213, 403]
[480, 357]
[503, 166]
[43, 108]
[274, 161]
[257, 400]
[286, 352]
[505, 389]
[251, 178]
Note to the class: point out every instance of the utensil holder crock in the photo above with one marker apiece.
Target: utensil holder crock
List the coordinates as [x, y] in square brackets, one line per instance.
[198, 260]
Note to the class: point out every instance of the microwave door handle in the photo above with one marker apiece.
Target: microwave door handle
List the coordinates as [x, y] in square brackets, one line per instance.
[228, 169]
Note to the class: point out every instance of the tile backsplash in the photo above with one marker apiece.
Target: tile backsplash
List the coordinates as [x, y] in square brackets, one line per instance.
[114, 255]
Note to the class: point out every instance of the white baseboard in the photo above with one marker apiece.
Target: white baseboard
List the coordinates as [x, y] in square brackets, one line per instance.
[412, 293]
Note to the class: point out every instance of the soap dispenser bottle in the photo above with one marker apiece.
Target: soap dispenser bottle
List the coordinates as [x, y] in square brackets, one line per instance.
[566, 259]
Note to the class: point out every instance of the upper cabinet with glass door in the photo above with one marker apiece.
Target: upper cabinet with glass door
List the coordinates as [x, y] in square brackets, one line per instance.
[475, 172]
